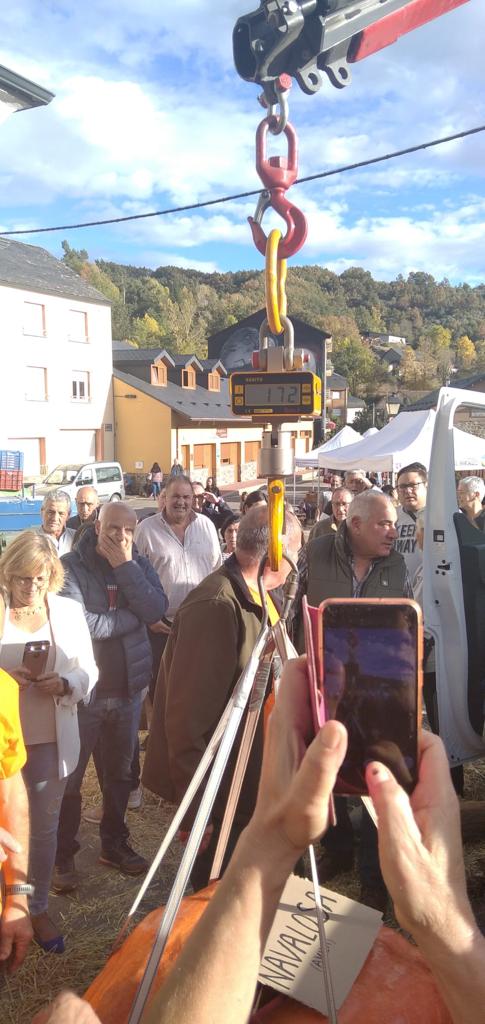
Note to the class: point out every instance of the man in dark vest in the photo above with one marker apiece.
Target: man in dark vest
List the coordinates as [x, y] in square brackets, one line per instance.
[357, 561]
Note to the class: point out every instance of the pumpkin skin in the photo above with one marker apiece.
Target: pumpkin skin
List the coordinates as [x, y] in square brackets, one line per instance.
[394, 987]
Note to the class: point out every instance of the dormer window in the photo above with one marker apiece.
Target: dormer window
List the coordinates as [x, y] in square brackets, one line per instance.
[188, 378]
[213, 381]
[158, 375]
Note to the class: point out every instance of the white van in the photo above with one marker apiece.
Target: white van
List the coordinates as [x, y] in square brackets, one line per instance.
[106, 477]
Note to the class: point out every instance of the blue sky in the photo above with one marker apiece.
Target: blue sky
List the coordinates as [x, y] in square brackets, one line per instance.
[149, 113]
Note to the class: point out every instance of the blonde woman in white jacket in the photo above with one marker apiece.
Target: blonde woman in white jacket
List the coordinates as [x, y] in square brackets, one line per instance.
[31, 575]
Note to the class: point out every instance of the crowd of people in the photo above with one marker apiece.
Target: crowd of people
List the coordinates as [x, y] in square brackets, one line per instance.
[165, 611]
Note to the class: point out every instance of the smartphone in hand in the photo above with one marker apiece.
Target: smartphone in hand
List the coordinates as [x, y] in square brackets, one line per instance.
[370, 654]
[35, 657]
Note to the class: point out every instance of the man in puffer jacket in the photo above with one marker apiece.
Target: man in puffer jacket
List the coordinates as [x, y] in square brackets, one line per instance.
[121, 594]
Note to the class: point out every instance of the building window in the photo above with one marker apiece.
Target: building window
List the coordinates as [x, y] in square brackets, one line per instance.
[77, 325]
[80, 386]
[214, 381]
[188, 378]
[158, 375]
[34, 319]
[336, 395]
[36, 383]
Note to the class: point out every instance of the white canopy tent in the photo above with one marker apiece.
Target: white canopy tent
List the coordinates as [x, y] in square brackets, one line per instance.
[407, 438]
[344, 437]
[370, 432]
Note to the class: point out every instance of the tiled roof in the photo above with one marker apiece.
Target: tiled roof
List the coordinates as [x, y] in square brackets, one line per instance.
[194, 403]
[430, 400]
[34, 269]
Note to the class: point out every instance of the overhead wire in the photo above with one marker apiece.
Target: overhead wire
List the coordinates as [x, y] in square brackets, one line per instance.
[252, 192]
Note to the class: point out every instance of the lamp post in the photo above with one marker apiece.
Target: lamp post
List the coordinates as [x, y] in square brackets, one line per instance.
[393, 406]
[327, 372]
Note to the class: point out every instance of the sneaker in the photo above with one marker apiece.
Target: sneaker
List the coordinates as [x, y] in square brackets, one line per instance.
[125, 859]
[135, 799]
[93, 814]
[46, 933]
[64, 878]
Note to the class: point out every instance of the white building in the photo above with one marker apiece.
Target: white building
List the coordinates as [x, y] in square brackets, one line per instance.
[55, 385]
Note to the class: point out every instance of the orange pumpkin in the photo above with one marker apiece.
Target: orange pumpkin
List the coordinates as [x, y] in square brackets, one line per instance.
[394, 986]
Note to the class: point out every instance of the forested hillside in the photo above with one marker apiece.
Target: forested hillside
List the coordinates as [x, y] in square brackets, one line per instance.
[443, 324]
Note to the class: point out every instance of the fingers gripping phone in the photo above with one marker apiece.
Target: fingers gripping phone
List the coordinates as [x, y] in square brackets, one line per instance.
[371, 658]
[36, 653]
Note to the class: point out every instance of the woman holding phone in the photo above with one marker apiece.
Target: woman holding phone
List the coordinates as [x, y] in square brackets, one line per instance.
[45, 645]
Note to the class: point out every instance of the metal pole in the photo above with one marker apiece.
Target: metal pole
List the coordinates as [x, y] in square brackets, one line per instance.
[241, 697]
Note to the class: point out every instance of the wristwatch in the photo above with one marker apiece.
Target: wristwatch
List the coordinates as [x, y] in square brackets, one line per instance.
[67, 689]
[19, 889]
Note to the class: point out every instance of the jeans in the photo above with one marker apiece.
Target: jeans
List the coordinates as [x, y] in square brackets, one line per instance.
[135, 765]
[113, 721]
[156, 488]
[45, 791]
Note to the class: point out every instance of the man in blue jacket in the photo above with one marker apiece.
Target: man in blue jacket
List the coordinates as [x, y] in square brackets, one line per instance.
[121, 595]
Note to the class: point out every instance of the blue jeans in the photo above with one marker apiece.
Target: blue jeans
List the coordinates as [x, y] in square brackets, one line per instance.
[45, 790]
[113, 721]
[156, 488]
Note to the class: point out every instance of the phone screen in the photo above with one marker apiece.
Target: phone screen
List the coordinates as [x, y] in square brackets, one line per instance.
[371, 658]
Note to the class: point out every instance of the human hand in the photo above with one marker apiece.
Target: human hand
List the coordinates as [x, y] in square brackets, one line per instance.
[115, 552]
[67, 1008]
[420, 848]
[15, 931]
[22, 675]
[160, 627]
[296, 782]
[211, 498]
[50, 684]
[183, 835]
[8, 842]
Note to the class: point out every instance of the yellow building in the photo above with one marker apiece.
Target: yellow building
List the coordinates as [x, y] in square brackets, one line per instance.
[178, 406]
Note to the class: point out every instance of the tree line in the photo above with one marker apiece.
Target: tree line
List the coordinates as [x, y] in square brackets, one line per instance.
[444, 324]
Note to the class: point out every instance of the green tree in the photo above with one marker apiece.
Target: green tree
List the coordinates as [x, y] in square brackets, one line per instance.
[355, 360]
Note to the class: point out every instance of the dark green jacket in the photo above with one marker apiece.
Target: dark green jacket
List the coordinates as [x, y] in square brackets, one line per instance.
[213, 635]
[326, 571]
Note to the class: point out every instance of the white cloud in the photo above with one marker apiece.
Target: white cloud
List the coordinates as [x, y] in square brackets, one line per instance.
[149, 113]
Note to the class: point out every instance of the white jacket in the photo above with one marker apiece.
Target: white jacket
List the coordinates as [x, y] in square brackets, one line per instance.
[74, 660]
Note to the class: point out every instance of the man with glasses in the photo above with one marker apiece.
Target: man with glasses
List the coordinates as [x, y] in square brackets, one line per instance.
[87, 503]
[341, 499]
[412, 486]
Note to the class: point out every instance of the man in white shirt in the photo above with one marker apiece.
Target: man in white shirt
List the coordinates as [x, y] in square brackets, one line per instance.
[183, 547]
[54, 514]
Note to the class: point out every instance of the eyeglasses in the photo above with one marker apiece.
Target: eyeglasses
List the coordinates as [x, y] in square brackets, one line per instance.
[32, 581]
[410, 487]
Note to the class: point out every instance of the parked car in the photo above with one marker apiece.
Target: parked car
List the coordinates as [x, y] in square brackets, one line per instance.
[106, 477]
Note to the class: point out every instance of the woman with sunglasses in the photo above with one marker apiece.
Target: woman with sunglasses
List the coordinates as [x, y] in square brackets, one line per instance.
[31, 576]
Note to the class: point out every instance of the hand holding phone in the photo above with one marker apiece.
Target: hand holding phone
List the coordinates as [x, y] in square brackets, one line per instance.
[371, 657]
[36, 653]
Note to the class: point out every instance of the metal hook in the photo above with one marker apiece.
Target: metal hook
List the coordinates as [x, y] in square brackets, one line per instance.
[278, 173]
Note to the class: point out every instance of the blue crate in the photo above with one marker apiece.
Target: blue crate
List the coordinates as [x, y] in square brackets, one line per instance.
[11, 460]
[19, 514]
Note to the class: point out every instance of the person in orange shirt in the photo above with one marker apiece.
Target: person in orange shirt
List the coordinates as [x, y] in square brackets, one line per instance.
[15, 926]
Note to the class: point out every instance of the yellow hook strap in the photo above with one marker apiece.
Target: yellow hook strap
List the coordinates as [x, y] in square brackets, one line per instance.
[276, 515]
[275, 283]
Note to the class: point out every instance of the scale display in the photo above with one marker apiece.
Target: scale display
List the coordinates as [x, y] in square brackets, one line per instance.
[276, 394]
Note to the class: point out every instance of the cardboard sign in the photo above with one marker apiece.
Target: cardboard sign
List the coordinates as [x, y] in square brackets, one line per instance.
[291, 962]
